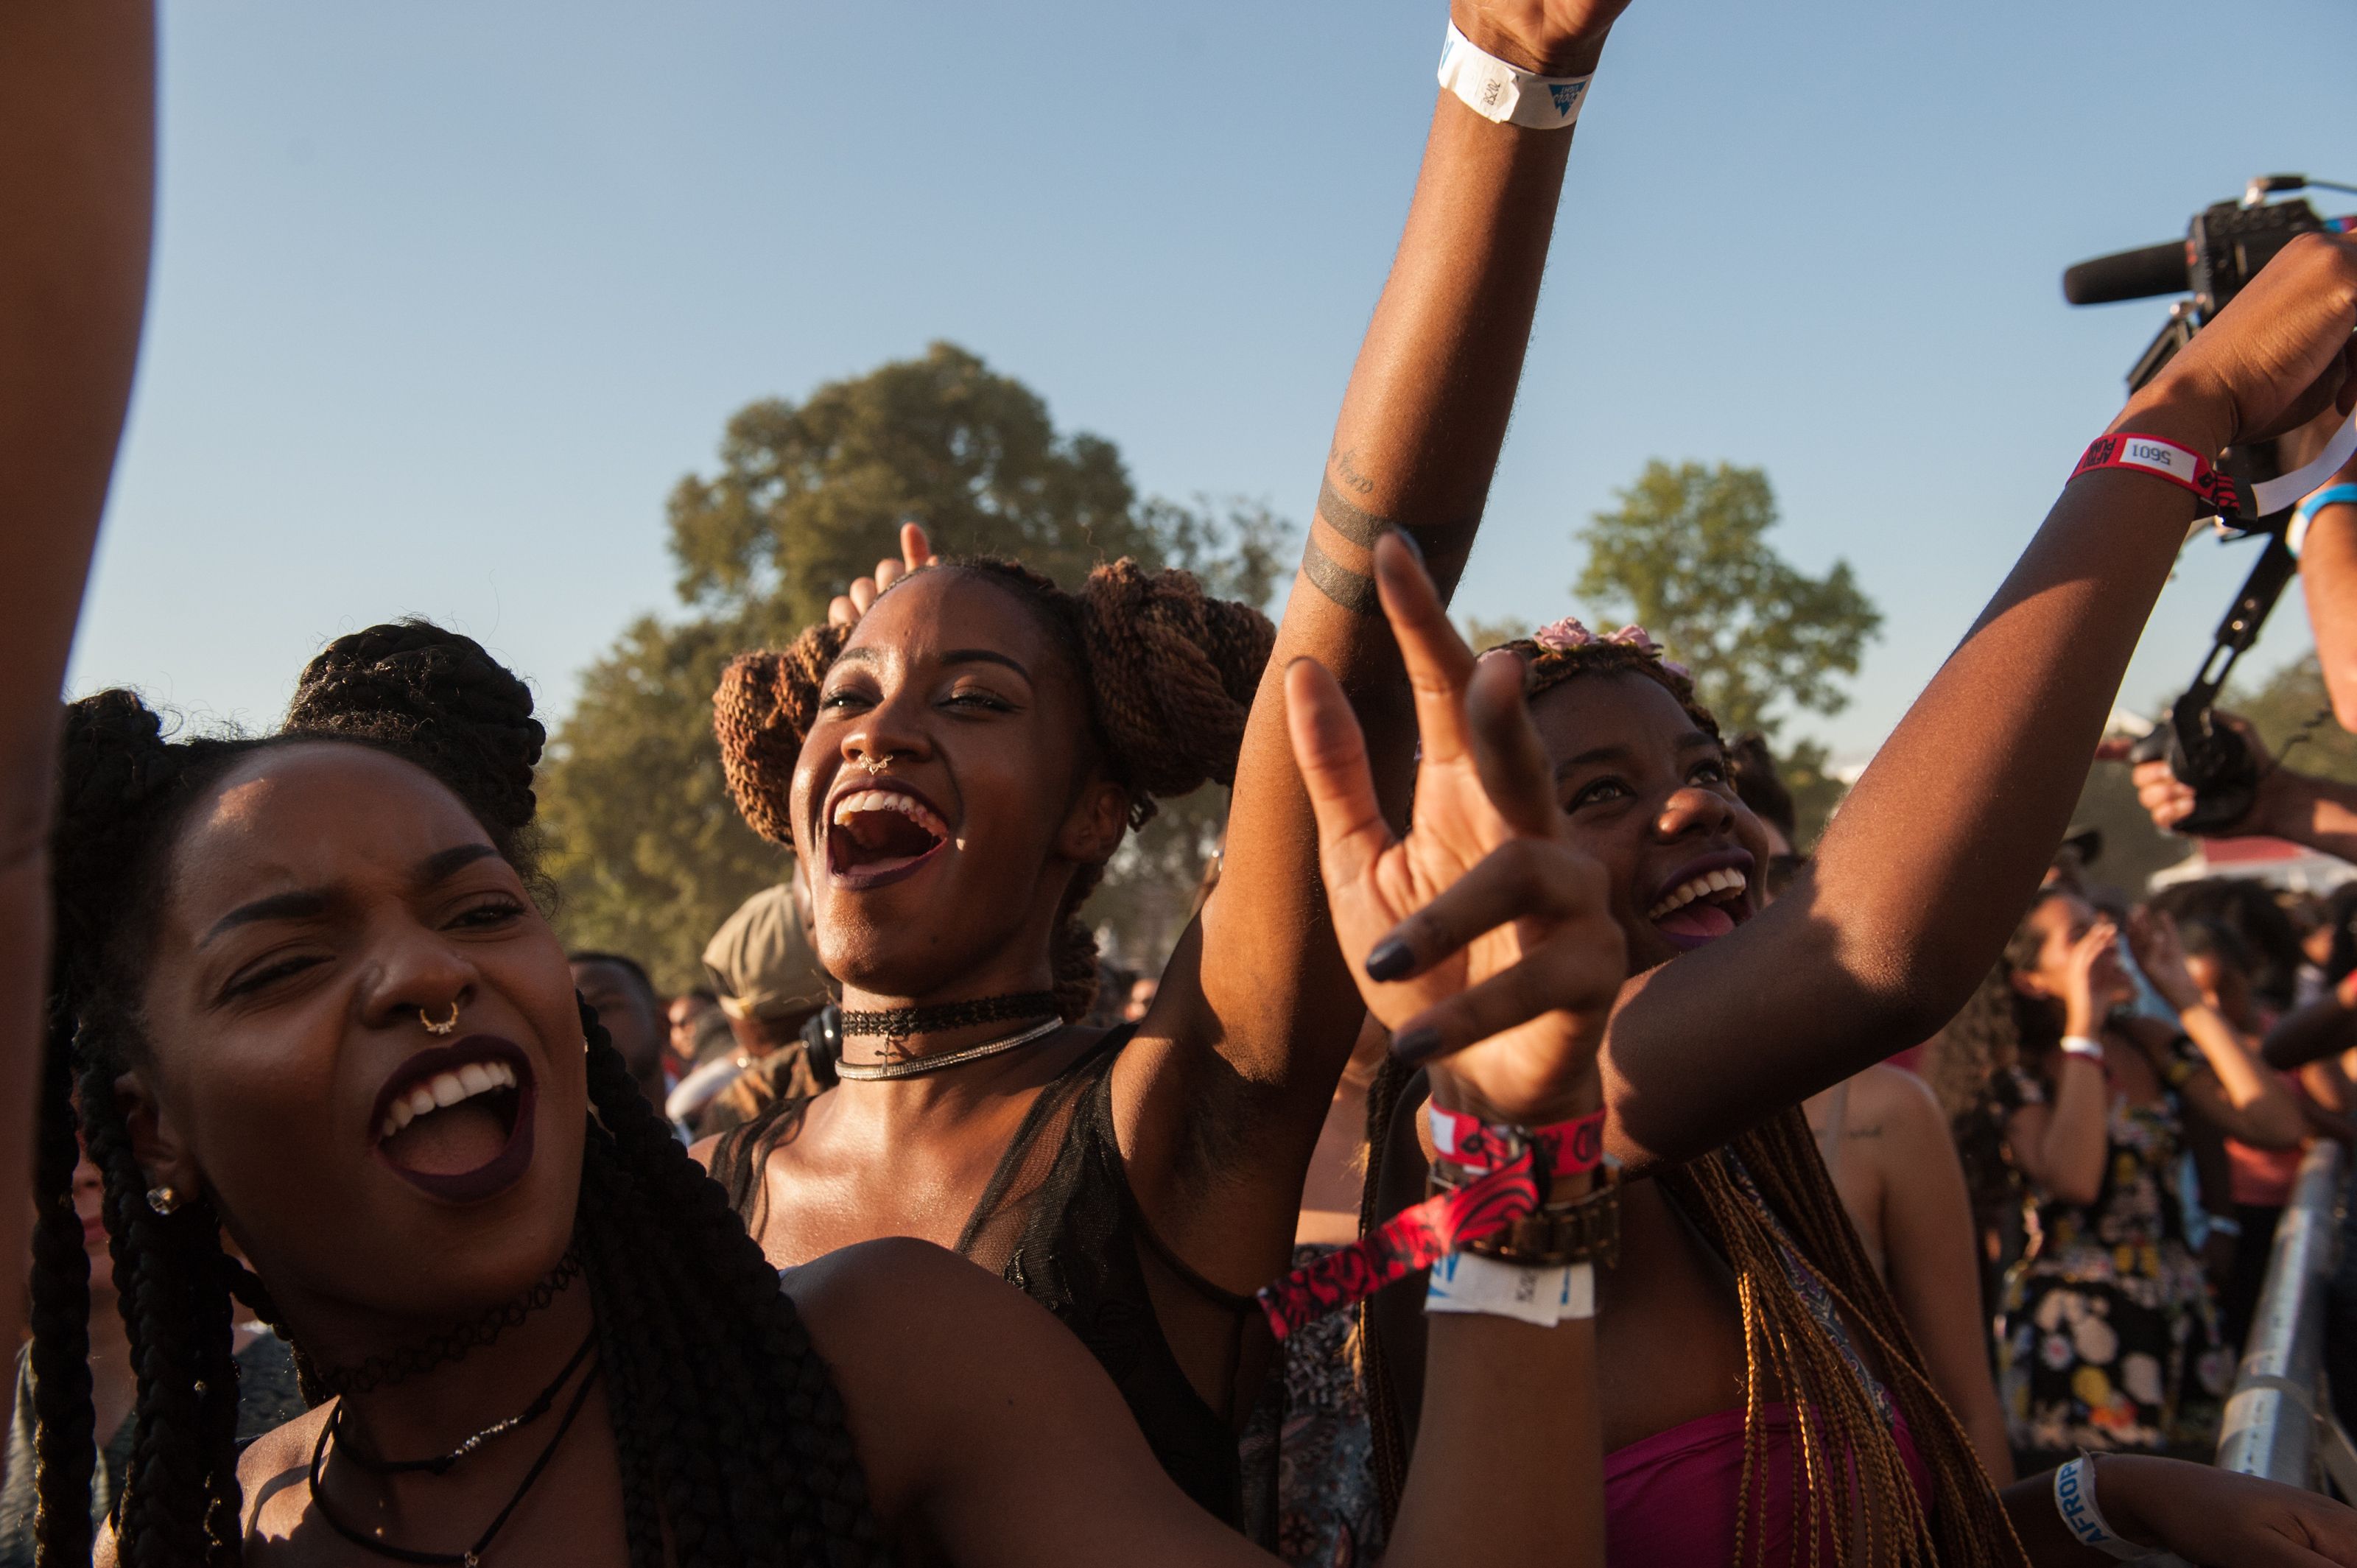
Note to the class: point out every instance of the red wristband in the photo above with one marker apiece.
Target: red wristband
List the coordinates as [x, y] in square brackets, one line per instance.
[2181, 467]
[1567, 1147]
[2234, 501]
[1413, 1239]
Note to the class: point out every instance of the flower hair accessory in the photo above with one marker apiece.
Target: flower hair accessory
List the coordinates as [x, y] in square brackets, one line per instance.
[1569, 633]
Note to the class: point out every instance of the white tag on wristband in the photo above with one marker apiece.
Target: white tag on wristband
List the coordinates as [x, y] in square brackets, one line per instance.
[1506, 93]
[1467, 1282]
[2081, 1045]
[2074, 1499]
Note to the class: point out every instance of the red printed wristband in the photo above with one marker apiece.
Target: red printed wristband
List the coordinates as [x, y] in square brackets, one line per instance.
[2234, 502]
[1568, 1148]
[2181, 467]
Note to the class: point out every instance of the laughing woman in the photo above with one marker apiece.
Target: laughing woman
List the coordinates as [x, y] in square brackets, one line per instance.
[310, 1007]
[1745, 1340]
[958, 766]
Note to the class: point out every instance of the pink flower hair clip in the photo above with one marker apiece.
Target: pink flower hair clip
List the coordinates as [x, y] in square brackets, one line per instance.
[1569, 633]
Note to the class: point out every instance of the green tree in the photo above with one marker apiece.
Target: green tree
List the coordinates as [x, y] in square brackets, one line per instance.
[1686, 555]
[647, 854]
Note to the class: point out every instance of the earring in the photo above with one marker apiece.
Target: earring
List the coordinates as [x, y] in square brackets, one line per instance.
[164, 1199]
[446, 1026]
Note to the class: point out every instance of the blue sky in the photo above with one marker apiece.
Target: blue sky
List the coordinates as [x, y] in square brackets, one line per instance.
[448, 296]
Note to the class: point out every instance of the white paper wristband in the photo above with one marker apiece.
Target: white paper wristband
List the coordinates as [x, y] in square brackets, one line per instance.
[1506, 93]
[2081, 1045]
[1467, 1282]
[2074, 1499]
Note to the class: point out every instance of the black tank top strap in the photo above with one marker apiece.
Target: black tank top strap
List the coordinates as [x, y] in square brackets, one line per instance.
[1058, 1221]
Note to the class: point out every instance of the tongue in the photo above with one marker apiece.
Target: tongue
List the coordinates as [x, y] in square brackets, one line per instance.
[878, 841]
[1697, 921]
[453, 1140]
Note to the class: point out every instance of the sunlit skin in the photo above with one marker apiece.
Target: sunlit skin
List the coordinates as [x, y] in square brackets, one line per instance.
[298, 941]
[953, 684]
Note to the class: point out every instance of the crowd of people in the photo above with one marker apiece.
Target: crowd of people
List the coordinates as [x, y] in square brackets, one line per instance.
[1508, 1163]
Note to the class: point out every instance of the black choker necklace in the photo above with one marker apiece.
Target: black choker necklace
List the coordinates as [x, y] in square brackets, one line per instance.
[473, 1556]
[899, 1023]
[400, 1366]
[442, 1463]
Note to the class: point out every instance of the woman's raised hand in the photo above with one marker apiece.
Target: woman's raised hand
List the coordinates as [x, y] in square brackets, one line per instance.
[1553, 37]
[2093, 978]
[2280, 353]
[916, 550]
[1484, 940]
[2160, 953]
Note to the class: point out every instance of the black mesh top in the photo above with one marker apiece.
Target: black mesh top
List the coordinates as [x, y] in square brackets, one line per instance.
[1058, 1222]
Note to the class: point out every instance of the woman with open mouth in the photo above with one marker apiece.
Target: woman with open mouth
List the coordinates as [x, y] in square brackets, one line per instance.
[956, 768]
[1745, 1339]
[310, 1005]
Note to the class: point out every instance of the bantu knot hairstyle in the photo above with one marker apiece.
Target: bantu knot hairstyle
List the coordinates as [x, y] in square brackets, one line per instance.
[732, 1439]
[1169, 674]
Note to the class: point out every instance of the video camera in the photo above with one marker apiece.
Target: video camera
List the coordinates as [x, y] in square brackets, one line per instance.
[2223, 248]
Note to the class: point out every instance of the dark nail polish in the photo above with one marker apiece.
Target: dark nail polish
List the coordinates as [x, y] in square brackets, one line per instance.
[1416, 1044]
[1389, 960]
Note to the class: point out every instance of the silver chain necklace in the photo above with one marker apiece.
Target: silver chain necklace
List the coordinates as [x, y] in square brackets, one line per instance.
[912, 1066]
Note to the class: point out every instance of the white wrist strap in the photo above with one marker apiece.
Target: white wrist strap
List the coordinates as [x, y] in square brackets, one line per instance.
[2081, 1045]
[2074, 1499]
[1506, 93]
[1467, 1282]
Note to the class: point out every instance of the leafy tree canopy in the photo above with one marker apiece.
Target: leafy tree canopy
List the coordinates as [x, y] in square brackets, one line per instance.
[1686, 555]
[647, 852]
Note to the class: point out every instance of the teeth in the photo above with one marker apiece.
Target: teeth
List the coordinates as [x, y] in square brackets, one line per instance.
[1701, 886]
[444, 1089]
[889, 800]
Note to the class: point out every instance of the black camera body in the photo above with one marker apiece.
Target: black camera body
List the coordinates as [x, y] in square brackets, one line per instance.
[2224, 247]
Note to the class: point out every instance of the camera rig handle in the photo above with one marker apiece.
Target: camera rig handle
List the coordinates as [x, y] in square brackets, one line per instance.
[2201, 751]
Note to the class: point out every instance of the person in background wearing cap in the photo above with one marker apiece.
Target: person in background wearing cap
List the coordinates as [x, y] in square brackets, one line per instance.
[767, 976]
[627, 1006]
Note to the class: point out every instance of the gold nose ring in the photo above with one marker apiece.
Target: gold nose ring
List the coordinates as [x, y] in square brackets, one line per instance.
[446, 1026]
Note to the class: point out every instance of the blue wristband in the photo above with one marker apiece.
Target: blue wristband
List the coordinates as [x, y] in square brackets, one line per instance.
[2343, 494]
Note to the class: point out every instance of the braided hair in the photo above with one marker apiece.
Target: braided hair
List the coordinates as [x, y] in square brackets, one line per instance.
[733, 1442]
[1768, 1205]
[1170, 672]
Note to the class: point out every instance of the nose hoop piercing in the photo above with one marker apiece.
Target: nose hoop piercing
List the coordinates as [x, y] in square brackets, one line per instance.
[446, 1026]
[875, 770]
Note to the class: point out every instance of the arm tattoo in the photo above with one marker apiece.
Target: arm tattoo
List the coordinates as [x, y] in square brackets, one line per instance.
[1362, 528]
[1354, 591]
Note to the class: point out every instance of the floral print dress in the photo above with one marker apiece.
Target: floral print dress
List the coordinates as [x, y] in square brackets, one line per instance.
[2108, 1338]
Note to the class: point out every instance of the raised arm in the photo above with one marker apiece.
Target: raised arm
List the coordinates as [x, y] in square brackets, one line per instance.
[1938, 849]
[77, 155]
[2237, 1094]
[1422, 422]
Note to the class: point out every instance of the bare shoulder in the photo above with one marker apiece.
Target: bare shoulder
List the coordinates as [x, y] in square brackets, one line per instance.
[950, 1376]
[1898, 1098]
[273, 1473]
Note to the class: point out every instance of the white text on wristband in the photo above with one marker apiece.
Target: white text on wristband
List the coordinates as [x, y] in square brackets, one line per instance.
[1499, 91]
[1467, 1282]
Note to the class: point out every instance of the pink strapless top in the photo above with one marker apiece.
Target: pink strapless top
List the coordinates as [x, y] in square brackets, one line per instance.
[1670, 1500]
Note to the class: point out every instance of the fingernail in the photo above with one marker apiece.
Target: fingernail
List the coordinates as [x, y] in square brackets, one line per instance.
[1404, 537]
[1389, 959]
[1416, 1044]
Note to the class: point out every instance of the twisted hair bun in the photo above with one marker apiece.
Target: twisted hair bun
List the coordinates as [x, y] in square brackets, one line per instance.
[1171, 673]
[766, 705]
[419, 688]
